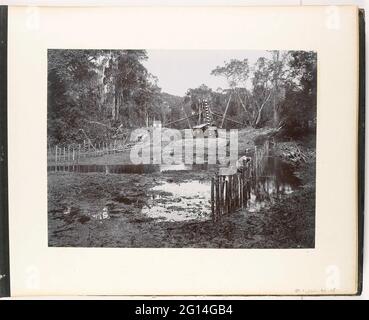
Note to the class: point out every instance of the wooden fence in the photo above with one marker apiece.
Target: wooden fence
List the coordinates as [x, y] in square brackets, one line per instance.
[230, 193]
[74, 153]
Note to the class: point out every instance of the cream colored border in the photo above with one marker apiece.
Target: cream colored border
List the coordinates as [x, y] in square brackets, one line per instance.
[39, 270]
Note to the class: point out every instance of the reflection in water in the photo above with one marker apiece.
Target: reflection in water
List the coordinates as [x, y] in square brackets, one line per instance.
[128, 168]
[275, 178]
[180, 201]
[191, 200]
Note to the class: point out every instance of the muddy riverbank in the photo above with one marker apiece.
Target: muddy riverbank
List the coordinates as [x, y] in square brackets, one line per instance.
[113, 210]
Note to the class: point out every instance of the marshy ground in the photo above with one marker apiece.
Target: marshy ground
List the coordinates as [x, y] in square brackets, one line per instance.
[171, 208]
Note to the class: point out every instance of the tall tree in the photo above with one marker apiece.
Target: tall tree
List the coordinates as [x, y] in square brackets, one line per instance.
[98, 91]
[299, 106]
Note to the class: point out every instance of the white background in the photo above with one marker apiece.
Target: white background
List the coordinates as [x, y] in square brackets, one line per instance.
[361, 3]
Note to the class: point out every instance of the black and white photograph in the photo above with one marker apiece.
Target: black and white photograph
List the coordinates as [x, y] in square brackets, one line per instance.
[181, 148]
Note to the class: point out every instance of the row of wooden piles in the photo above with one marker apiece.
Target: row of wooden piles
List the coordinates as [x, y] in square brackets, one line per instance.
[230, 193]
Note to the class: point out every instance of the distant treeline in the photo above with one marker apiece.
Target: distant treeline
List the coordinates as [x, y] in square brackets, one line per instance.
[100, 91]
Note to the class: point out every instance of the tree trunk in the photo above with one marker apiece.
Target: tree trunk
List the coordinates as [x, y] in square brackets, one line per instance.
[244, 106]
[258, 118]
[226, 109]
[276, 75]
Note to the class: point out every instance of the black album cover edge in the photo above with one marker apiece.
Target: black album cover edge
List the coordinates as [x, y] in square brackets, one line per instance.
[4, 212]
[361, 148]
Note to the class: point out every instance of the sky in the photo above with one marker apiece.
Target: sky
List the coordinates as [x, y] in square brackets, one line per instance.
[179, 70]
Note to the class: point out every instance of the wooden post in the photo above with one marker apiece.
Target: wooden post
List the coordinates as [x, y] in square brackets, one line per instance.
[245, 189]
[228, 196]
[256, 161]
[244, 193]
[212, 198]
[56, 158]
[73, 156]
[235, 191]
[217, 196]
[221, 195]
[225, 196]
[231, 194]
[79, 152]
[231, 182]
[241, 189]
